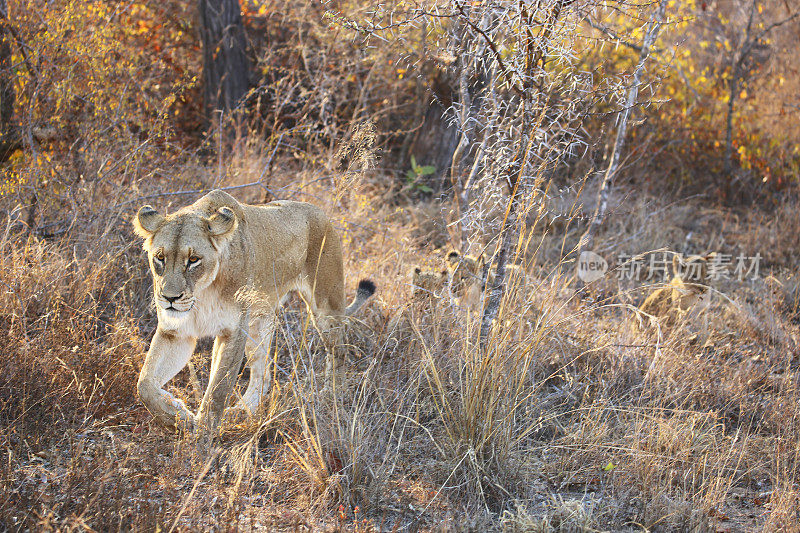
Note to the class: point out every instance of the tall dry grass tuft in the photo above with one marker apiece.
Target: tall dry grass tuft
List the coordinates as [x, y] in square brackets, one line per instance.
[56, 307]
[481, 399]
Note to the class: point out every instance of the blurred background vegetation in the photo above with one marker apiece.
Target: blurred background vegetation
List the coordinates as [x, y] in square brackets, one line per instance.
[99, 94]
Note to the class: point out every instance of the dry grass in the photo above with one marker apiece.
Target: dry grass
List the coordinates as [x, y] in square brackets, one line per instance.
[573, 419]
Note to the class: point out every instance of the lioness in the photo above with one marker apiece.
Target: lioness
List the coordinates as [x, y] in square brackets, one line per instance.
[202, 258]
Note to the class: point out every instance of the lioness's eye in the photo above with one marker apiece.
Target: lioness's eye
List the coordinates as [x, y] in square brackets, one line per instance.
[159, 256]
[193, 259]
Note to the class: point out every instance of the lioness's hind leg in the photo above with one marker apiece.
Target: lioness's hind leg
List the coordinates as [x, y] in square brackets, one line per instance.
[329, 325]
[259, 362]
[325, 314]
[165, 358]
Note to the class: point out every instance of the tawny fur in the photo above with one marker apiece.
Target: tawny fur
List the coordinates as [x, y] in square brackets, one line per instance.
[428, 283]
[467, 274]
[671, 303]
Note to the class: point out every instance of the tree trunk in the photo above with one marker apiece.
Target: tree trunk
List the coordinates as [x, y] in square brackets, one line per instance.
[9, 136]
[434, 144]
[460, 194]
[738, 76]
[225, 65]
[530, 109]
[733, 90]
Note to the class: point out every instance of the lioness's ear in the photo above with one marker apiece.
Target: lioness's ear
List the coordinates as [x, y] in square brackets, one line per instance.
[221, 222]
[146, 221]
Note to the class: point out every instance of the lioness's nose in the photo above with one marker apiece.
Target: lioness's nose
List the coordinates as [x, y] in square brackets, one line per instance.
[172, 299]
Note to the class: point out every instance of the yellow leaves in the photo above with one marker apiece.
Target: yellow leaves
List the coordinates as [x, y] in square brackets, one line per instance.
[100, 61]
[142, 27]
[743, 94]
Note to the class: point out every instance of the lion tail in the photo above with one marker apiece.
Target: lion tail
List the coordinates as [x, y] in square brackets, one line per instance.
[366, 288]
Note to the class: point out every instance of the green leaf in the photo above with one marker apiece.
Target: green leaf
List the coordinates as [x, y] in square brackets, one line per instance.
[411, 175]
[413, 162]
[609, 467]
[427, 169]
[424, 188]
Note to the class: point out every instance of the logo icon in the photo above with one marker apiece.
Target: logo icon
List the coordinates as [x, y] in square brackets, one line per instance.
[591, 267]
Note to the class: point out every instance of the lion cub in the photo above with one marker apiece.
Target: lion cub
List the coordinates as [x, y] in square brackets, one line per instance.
[468, 272]
[684, 292]
[428, 283]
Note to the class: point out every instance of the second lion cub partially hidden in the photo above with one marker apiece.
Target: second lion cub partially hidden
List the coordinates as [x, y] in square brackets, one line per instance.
[467, 275]
[686, 291]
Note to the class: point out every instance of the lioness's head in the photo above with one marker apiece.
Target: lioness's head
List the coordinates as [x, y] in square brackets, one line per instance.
[183, 250]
